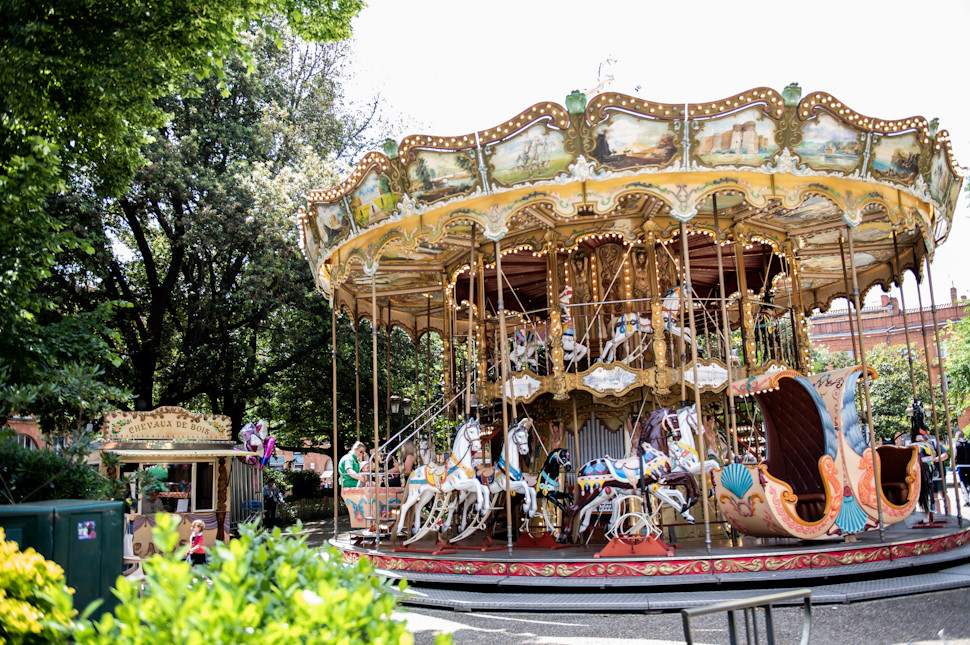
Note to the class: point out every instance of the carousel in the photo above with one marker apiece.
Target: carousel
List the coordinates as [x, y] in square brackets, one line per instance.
[621, 289]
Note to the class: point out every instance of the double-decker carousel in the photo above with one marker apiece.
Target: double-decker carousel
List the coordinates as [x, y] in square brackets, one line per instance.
[621, 289]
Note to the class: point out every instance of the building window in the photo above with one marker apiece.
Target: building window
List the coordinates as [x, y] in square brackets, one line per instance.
[26, 441]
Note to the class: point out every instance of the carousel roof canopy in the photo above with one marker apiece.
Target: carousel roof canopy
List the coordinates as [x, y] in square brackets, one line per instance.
[788, 175]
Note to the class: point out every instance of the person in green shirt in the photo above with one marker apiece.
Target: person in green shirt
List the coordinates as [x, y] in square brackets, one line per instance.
[349, 466]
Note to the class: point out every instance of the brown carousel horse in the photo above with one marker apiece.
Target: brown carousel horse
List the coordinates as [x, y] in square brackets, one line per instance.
[650, 471]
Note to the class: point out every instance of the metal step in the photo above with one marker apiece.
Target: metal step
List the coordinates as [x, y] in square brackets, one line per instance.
[620, 600]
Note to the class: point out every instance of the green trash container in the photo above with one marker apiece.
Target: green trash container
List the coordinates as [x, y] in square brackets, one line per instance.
[84, 537]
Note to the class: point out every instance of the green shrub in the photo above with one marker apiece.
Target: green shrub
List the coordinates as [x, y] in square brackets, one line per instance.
[304, 484]
[39, 475]
[35, 605]
[265, 588]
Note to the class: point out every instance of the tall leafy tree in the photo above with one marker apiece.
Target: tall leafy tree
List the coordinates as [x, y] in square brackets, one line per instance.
[892, 391]
[203, 246]
[80, 84]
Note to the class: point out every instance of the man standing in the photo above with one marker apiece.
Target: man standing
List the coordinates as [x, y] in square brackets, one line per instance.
[349, 466]
[271, 499]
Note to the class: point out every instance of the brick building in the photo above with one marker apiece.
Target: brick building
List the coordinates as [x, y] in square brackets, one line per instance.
[883, 324]
[28, 434]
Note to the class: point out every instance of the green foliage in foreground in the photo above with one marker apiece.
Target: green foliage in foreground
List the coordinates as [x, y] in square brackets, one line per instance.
[265, 588]
[34, 602]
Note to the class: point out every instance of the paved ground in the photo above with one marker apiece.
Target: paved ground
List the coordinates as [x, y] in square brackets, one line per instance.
[942, 617]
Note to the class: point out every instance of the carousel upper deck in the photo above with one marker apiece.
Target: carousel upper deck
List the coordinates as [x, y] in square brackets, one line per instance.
[620, 248]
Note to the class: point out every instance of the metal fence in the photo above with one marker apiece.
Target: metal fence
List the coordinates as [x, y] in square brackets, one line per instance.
[245, 487]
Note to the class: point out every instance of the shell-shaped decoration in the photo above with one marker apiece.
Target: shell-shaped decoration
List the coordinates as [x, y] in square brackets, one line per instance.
[737, 479]
[852, 518]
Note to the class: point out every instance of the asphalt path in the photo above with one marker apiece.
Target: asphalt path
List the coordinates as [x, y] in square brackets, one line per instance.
[942, 617]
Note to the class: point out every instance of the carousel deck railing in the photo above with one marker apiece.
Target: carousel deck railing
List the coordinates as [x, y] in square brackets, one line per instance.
[749, 607]
[594, 323]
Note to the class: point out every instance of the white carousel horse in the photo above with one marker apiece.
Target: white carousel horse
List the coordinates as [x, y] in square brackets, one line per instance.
[494, 478]
[434, 481]
[525, 344]
[681, 447]
[572, 350]
[630, 324]
[426, 451]
[604, 479]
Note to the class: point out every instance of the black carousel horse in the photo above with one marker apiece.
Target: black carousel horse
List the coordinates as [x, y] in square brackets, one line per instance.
[548, 486]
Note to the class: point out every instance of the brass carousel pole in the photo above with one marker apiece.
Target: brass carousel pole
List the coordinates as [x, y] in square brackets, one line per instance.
[373, 462]
[845, 280]
[427, 358]
[876, 465]
[387, 393]
[701, 437]
[929, 379]
[902, 302]
[504, 367]
[941, 378]
[469, 363]
[333, 358]
[732, 417]
[356, 366]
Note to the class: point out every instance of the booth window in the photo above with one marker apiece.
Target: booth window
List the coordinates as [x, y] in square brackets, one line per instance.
[186, 487]
[204, 486]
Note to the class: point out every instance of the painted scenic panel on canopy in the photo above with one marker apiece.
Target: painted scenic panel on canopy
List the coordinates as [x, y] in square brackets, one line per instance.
[331, 223]
[896, 159]
[373, 200]
[813, 209]
[391, 280]
[439, 175]
[625, 141]
[743, 139]
[940, 176]
[834, 264]
[422, 253]
[535, 153]
[866, 232]
[829, 144]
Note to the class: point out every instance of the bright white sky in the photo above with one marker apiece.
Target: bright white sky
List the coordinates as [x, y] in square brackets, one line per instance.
[453, 67]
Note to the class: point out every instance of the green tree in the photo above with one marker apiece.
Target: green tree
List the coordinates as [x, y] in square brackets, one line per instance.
[892, 391]
[81, 80]
[204, 249]
[957, 345]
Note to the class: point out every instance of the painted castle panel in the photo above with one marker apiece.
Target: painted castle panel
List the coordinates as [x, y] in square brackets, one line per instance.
[625, 141]
[896, 158]
[829, 144]
[742, 139]
[536, 153]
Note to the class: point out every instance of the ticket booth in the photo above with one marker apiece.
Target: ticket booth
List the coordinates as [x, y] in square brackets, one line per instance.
[191, 456]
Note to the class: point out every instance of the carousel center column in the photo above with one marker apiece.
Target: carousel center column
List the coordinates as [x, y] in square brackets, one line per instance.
[555, 325]
[747, 315]
[447, 364]
[657, 319]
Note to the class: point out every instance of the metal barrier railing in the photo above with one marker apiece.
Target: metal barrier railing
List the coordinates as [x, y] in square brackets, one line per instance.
[749, 608]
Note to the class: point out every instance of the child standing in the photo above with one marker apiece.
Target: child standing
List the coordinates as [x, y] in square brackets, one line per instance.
[197, 543]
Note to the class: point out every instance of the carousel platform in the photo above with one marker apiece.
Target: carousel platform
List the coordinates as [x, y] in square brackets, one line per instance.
[908, 560]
